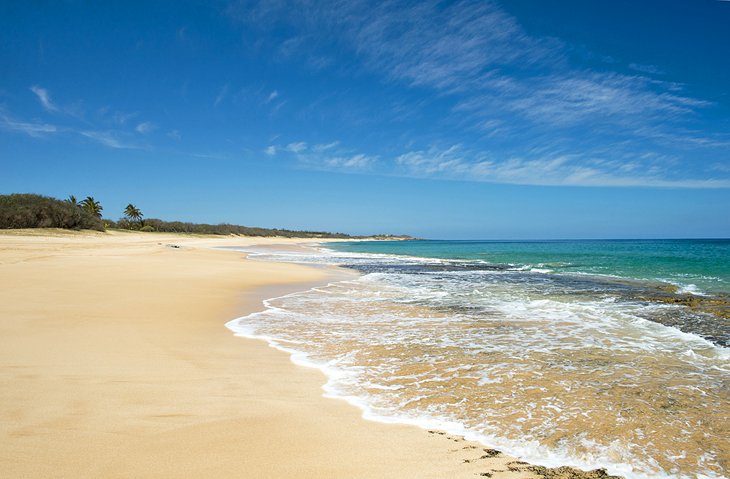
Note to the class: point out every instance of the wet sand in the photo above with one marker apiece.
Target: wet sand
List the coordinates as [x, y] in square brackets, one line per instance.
[115, 362]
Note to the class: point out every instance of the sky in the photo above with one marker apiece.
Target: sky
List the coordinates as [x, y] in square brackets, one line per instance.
[518, 119]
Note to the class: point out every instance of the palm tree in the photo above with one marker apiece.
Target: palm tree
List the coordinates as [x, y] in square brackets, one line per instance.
[72, 200]
[92, 206]
[132, 213]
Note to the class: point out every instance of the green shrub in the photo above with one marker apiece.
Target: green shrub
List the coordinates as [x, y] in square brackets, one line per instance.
[147, 229]
[125, 224]
[36, 211]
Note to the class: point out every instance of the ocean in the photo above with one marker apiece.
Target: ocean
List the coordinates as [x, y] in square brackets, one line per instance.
[593, 354]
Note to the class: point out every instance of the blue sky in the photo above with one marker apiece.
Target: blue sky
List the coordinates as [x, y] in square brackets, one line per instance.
[513, 119]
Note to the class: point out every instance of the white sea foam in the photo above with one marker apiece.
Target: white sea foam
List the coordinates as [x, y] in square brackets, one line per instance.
[530, 450]
[689, 289]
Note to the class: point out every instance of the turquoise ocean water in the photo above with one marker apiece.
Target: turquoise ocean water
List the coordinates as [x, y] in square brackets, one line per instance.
[695, 265]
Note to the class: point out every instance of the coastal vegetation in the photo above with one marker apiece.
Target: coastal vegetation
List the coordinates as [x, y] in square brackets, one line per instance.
[90, 205]
[132, 220]
[133, 214]
[158, 225]
[36, 211]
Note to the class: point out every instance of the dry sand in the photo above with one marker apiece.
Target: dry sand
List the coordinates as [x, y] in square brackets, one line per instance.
[115, 362]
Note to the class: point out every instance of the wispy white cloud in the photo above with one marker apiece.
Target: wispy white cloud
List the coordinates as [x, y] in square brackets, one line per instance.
[145, 127]
[107, 138]
[453, 47]
[649, 69]
[74, 109]
[72, 122]
[33, 129]
[353, 162]
[297, 147]
[272, 96]
[325, 146]
[222, 93]
[345, 163]
[565, 170]
[276, 106]
[543, 168]
[721, 167]
[465, 49]
[479, 57]
[600, 98]
[112, 138]
[539, 166]
[327, 156]
[121, 118]
[681, 138]
[211, 156]
[44, 97]
[424, 43]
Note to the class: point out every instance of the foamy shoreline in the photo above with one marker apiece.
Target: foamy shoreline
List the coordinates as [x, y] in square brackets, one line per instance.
[115, 363]
[302, 353]
[536, 453]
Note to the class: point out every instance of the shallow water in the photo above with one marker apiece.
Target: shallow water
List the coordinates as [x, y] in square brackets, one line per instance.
[558, 369]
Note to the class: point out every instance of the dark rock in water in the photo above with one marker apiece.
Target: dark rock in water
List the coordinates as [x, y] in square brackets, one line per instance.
[719, 306]
[490, 453]
[705, 316]
[566, 472]
[426, 268]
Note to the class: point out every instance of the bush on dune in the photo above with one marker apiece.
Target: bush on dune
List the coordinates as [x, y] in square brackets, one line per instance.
[36, 211]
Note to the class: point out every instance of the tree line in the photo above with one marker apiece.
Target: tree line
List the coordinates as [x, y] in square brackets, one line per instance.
[36, 211]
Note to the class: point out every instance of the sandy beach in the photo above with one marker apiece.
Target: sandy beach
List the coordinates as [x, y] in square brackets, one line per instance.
[350, 239]
[115, 362]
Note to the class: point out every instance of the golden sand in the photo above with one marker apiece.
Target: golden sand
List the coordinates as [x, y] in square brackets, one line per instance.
[115, 362]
